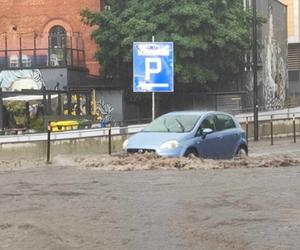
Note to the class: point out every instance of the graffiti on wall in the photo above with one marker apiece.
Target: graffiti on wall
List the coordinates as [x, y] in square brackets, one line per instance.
[275, 70]
[16, 80]
[272, 59]
[104, 111]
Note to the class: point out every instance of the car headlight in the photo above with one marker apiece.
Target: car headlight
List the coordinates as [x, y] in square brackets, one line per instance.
[169, 145]
[125, 144]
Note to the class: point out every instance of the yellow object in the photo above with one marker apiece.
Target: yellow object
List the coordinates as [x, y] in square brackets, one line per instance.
[94, 102]
[64, 125]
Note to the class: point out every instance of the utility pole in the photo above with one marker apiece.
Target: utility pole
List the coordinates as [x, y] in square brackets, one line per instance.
[254, 68]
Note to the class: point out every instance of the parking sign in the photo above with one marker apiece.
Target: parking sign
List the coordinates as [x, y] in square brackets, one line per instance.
[153, 67]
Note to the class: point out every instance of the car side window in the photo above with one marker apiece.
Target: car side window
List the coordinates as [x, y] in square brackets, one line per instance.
[208, 122]
[224, 122]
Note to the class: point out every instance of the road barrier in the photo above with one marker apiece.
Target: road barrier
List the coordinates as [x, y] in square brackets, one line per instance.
[110, 139]
[52, 128]
[273, 126]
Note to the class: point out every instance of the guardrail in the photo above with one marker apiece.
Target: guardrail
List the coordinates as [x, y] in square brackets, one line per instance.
[52, 135]
[271, 126]
[71, 134]
[269, 123]
[246, 120]
[279, 114]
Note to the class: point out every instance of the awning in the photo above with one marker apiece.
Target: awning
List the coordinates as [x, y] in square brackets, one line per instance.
[27, 98]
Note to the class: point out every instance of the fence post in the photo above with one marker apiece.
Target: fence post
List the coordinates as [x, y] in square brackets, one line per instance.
[1, 111]
[247, 129]
[109, 140]
[271, 124]
[45, 108]
[48, 142]
[59, 109]
[69, 102]
[294, 128]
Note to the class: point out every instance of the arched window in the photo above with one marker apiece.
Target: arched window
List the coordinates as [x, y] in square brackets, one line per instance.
[57, 37]
[57, 46]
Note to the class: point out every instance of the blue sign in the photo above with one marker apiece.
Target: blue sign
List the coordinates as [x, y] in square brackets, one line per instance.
[153, 67]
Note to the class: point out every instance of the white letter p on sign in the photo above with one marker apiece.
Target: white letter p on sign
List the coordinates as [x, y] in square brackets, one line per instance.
[154, 70]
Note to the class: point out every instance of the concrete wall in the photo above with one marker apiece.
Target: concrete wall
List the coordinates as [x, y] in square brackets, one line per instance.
[53, 76]
[77, 78]
[76, 147]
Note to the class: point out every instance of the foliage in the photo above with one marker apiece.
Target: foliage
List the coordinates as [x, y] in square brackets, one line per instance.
[37, 124]
[16, 114]
[210, 36]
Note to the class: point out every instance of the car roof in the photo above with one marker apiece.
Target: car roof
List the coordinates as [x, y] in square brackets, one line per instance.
[189, 112]
[197, 112]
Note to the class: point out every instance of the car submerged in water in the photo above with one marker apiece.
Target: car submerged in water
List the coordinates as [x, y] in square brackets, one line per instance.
[207, 134]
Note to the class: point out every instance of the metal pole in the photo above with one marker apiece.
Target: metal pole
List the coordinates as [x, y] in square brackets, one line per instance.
[69, 102]
[49, 106]
[27, 114]
[247, 129]
[59, 110]
[109, 140]
[153, 94]
[294, 128]
[71, 50]
[1, 110]
[34, 49]
[271, 124]
[254, 67]
[45, 109]
[48, 142]
[20, 53]
[77, 105]
[153, 106]
[6, 52]
[88, 104]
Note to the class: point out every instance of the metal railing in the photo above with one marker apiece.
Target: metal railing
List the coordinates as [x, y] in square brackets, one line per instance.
[273, 125]
[27, 55]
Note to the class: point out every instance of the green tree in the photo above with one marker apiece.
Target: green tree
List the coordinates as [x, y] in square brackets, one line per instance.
[210, 36]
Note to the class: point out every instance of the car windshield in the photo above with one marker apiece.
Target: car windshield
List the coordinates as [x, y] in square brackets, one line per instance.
[173, 123]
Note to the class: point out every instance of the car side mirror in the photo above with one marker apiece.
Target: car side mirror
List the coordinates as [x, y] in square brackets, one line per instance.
[206, 132]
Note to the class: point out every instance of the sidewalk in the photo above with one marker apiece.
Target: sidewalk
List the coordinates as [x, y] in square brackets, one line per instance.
[281, 146]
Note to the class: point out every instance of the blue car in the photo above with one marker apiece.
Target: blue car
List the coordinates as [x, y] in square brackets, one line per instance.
[206, 134]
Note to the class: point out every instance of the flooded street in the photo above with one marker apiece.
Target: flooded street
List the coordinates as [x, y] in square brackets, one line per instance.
[71, 208]
[147, 202]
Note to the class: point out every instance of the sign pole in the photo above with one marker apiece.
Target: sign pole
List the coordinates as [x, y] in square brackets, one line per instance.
[153, 94]
[153, 106]
[153, 68]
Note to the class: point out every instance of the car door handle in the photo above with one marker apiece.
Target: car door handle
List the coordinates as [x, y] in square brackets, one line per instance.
[220, 137]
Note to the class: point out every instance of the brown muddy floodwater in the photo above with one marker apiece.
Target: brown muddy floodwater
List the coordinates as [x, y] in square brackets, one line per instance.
[147, 202]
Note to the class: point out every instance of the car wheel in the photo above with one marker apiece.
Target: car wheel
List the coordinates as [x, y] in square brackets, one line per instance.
[241, 152]
[191, 153]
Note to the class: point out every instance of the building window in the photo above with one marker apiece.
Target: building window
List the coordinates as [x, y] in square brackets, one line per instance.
[57, 37]
[57, 45]
[294, 76]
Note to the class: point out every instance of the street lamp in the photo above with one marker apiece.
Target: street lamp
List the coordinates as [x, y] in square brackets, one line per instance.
[254, 67]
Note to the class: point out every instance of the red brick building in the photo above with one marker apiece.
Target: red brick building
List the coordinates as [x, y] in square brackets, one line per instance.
[45, 43]
[46, 33]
